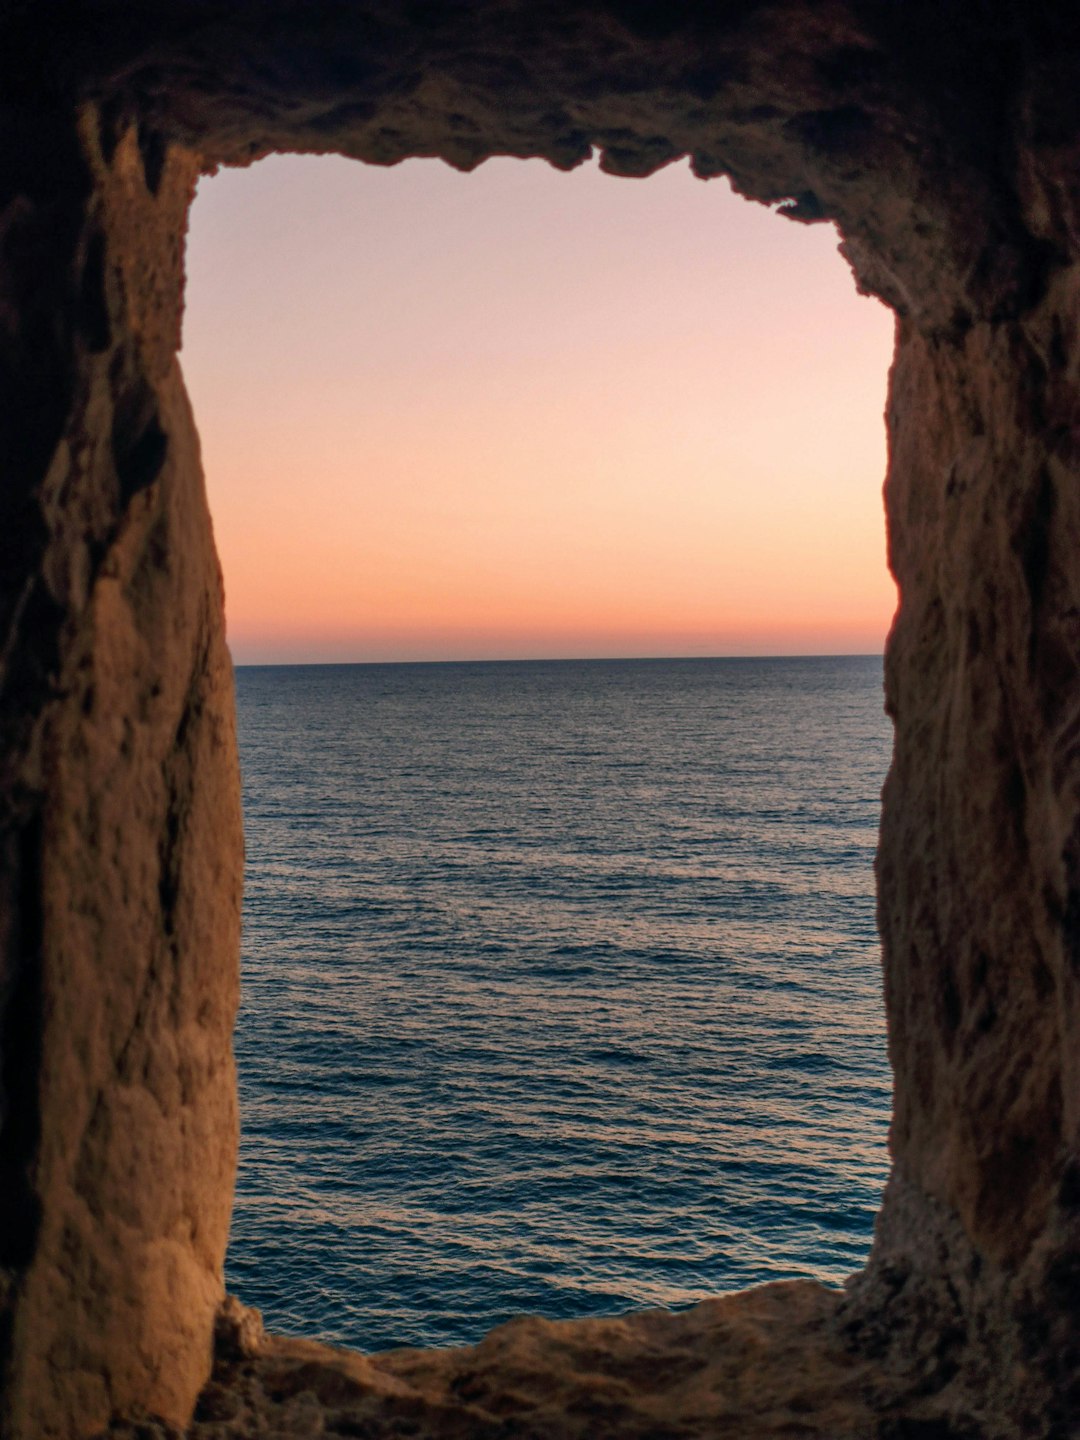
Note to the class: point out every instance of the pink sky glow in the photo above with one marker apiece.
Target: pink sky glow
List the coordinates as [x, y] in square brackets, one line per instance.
[519, 413]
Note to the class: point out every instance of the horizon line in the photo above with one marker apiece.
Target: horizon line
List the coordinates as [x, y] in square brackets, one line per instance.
[556, 660]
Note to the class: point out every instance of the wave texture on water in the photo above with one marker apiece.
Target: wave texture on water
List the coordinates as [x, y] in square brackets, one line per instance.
[562, 988]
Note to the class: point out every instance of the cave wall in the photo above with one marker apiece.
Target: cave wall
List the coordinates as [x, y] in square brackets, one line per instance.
[119, 810]
[944, 140]
[976, 1262]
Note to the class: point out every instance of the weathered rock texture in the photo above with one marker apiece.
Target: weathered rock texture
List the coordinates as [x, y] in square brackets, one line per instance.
[119, 813]
[943, 136]
[757, 1366]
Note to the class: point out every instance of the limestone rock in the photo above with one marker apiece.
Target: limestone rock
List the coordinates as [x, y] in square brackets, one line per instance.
[238, 1331]
[119, 823]
[766, 1363]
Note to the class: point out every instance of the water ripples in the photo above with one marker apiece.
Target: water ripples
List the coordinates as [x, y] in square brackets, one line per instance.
[561, 988]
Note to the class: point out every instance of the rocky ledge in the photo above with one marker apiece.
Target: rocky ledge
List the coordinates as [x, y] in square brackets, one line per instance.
[771, 1363]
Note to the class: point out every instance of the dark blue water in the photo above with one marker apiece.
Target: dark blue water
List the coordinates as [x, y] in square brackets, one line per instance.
[561, 988]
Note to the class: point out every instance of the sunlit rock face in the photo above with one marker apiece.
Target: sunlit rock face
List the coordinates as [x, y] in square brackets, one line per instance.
[944, 139]
[119, 812]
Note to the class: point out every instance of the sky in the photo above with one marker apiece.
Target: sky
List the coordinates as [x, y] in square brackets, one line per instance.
[526, 414]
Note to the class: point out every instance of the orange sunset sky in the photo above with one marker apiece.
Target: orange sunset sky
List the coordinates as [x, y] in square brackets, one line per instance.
[521, 413]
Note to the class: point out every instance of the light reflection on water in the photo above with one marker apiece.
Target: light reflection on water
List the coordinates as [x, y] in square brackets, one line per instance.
[561, 988]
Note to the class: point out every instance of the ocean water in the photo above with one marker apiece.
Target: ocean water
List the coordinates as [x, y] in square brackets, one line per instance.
[561, 988]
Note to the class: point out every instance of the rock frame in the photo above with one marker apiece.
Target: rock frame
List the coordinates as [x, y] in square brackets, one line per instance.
[944, 140]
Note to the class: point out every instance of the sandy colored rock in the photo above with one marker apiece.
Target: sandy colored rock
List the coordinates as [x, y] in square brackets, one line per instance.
[121, 826]
[766, 1363]
[944, 139]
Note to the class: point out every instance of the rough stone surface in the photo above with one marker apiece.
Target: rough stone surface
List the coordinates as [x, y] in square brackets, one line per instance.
[761, 1365]
[944, 139]
[119, 813]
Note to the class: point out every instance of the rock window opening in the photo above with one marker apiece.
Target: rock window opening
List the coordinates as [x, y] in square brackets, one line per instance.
[945, 152]
[585, 1018]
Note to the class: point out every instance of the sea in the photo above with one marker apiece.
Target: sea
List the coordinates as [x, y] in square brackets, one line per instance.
[561, 988]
